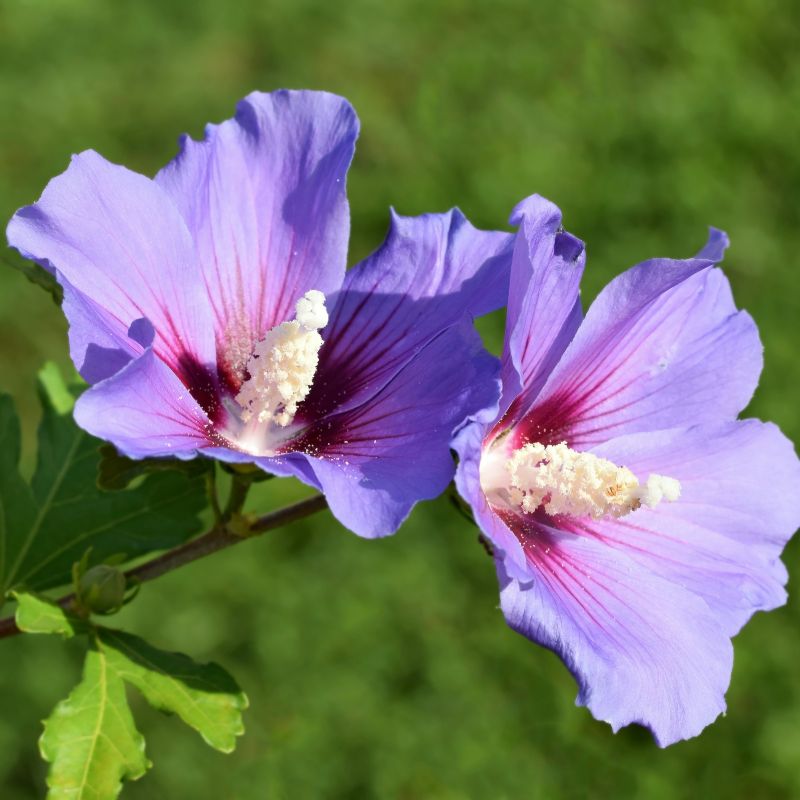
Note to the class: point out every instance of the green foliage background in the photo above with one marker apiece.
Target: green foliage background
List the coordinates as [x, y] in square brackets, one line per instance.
[384, 669]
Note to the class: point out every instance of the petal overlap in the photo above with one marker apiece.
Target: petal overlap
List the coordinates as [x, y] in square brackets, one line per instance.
[430, 271]
[374, 461]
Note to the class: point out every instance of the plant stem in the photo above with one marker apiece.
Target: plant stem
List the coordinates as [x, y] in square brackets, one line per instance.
[218, 538]
[213, 498]
[240, 486]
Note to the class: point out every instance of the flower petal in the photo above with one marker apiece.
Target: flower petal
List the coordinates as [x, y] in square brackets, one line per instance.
[739, 505]
[430, 271]
[662, 346]
[544, 308]
[97, 345]
[642, 649]
[376, 460]
[144, 410]
[468, 444]
[264, 197]
[714, 249]
[116, 237]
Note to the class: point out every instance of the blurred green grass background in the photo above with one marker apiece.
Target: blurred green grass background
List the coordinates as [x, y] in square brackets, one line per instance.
[384, 669]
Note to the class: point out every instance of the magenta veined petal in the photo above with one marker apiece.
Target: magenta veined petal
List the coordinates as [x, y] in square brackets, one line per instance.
[662, 346]
[642, 649]
[198, 305]
[640, 602]
[430, 272]
[145, 410]
[376, 460]
[264, 197]
[544, 309]
[116, 237]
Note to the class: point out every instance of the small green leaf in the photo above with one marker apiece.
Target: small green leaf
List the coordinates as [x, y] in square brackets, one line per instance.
[90, 739]
[40, 615]
[204, 696]
[116, 472]
[38, 275]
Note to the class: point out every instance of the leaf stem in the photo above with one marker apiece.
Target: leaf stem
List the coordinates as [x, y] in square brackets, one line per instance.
[218, 538]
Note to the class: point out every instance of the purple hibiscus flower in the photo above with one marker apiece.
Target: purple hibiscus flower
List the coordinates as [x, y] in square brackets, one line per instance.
[636, 523]
[210, 310]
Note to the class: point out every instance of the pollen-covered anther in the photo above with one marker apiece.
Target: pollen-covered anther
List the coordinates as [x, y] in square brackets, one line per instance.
[282, 366]
[565, 481]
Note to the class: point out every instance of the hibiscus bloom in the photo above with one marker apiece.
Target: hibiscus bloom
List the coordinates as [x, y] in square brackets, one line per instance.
[636, 523]
[210, 310]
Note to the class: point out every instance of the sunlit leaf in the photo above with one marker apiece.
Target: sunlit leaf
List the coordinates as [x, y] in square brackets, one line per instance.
[204, 696]
[39, 615]
[90, 739]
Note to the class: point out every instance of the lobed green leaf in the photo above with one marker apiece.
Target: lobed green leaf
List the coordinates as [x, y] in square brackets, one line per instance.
[204, 696]
[90, 739]
[48, 526]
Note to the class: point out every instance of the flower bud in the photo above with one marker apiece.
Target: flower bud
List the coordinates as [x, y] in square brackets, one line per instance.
[102, 589]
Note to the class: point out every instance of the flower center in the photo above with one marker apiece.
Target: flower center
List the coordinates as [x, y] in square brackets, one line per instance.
[564, 481]
[283, 365]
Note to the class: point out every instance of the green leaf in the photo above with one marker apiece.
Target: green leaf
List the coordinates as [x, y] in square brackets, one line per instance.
[117, 472]
[90, 739]
[53, 389]
[49, 525]
[38, 275]
[17, 506]
[204, 696]
[40, 615]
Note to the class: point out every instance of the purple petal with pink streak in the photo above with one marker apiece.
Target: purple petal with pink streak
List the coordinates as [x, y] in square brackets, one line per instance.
[430, 272]
[544, 309]
[116, 238]
[376, 460]
[642, 649]
[662, 346]
[264, 197]
[144, 410]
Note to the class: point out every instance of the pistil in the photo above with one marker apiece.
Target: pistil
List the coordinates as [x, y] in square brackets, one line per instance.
[564, 481]
[282, 367]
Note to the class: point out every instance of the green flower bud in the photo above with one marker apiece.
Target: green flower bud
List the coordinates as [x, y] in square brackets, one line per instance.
[102, 589]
